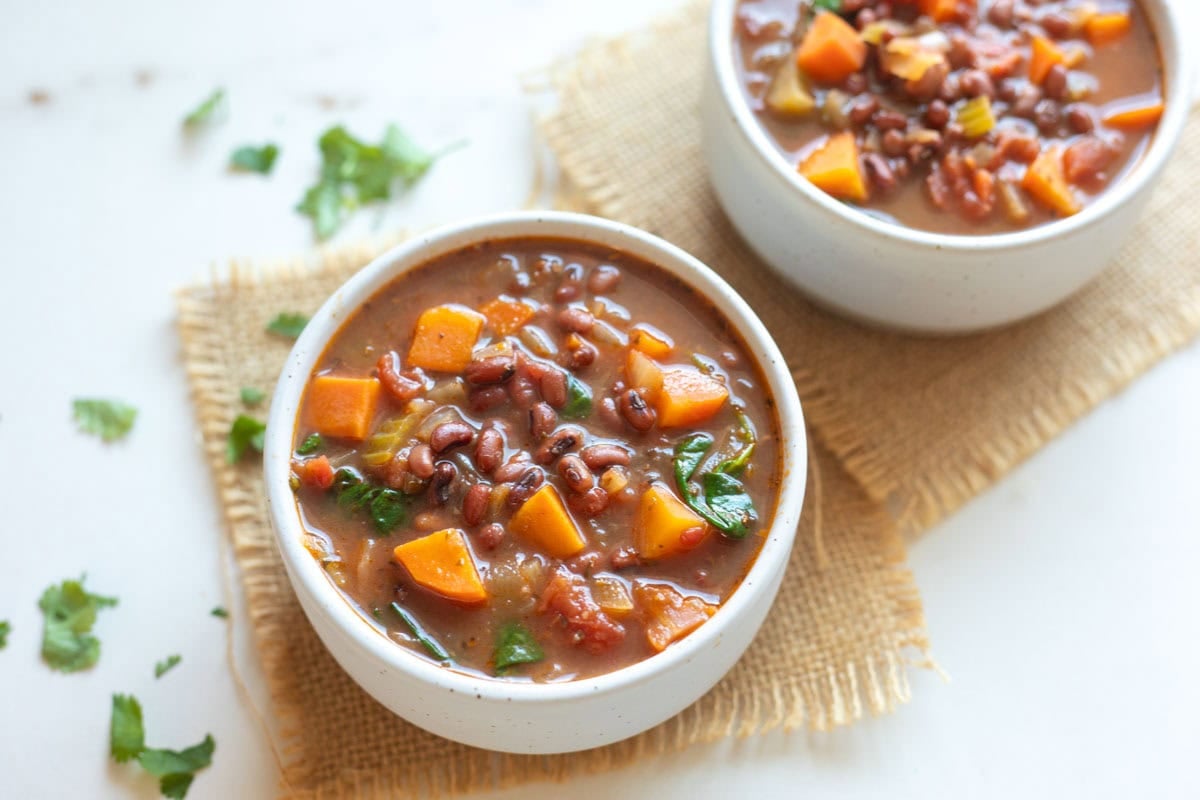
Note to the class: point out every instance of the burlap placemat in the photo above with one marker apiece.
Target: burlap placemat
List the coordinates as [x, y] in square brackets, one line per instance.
[923, 424]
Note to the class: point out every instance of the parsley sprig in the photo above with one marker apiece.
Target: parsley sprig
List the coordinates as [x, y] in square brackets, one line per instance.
[175, 769]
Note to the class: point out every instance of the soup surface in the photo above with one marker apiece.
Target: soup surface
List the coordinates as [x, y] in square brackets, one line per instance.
[536, 458]
[954, 116]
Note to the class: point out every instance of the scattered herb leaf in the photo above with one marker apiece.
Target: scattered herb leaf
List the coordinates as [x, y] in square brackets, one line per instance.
[176, 769]
[165, 666]
[725, 504]
[387, 508]
[5, 630]
[252, 395]
[126, 733]
[312, 444]
[108, 419]
[246, 432]
[421, 635]
[829, 5]
[70, 612]
[249, 158]
[220, 612]
[579, 399]
[287, 324]
[354, 172]
[515, 645]
[206, 112]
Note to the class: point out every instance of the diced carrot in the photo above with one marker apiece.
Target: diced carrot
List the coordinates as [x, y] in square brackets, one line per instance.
[1044, 179]
[445, 337]
[834, 169]
[443, 564]
[505, 315]
[664, 526]
[643, 373]
[1104, 29]
[651, 341]
[669, 616]
[544, 521]
[938, 10]
[1045, 54]
[342, 407]
[1135, 116]
[315, 472]
[688, 397]
[1074, 56]
[831, 49]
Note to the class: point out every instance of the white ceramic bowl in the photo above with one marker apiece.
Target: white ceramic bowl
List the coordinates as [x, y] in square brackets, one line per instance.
[524, 717]
[910, 279]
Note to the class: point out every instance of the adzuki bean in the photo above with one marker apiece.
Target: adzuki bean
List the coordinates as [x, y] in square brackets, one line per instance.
[541, 420]
[491, 370]
[402, 385]
[553, 384]
[635, 411]
[449, 435]
[485, 398]
[524, 487]
[491, 536]
[575, 473]
[420, 461]
[489, 450]
[562, 441]
[591, 503]
[444, 473]
[475, 503]
[599, 456]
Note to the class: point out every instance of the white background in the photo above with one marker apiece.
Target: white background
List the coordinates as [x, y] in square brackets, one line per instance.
[1064, 603]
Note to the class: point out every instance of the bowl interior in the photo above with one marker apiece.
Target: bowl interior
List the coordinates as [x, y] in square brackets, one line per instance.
[343, 303]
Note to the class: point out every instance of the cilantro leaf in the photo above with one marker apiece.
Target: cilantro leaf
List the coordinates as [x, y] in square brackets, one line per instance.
[176, 785]
[246, 432]
[163, 667]
[206, 112]
[5, 630]
[252, 395]
[386, 507]
[312, 444]
[108, 419]
[219, 612]
[829, 5]
[579, 399]
[176, 769]
[287, 324]
[249, 158]
[354, 172]
[70, 612]
[126, 734]
[420, 634]
[515, 645]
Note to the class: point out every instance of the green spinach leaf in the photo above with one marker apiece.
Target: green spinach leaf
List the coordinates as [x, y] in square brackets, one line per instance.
[420, 634]
[515, 645]
[579, 399]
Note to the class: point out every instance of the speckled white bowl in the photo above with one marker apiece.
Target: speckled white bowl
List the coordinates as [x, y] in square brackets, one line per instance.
[910, 279]
[524, 717]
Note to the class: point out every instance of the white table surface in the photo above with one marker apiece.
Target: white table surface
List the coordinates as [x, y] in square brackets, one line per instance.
[1063, 603]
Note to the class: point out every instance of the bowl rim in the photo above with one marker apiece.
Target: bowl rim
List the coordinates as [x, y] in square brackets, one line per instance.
[334, 312]
[1178, 76]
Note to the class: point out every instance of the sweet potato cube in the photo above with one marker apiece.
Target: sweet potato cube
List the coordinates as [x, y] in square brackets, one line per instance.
[505, 315]
[644, 374]
[445, 337]
[831, 49]
[664, 526]
[834, 169]
[1046, 181]
[1044, 54]
[544, 521]
[938, 10]
[651, 341]
[669, 616]
[342, 407]
[442, 563]
[1103, 29]
[688, 397]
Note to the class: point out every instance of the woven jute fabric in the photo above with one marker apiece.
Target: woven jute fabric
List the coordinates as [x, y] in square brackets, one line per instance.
[908, 429]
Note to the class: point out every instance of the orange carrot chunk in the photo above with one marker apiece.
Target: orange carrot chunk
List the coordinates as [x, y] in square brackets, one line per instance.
[1044, 179]
[505, 315]
[1135, 116]
[1044, 55]
[688, 397]
[544, 521]
[442, 563]
[665, 526]
[834, 169]
[445, 337]
[831, 49]
[1103, 29]
[644, 373]
[669, 616]
[650, 340]
[342, 407]
[315, 472]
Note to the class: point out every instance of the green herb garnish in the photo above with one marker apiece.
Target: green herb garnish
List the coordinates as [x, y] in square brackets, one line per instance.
[420, 634]
[206, 112]
[725, 503]
[246, 432]
[175, 770]
[165, 666]
[5, 630]
[515, 645]
[312, 444]
[829, 5]
[108, 419]
[219, 612]
[252, 395]
[70, 612]
[387, 508]
[354, 172]
[745, 431]
[579, 399]
[287, 324]
[254, 159]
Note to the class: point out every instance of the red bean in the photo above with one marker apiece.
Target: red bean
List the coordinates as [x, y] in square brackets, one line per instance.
[1055, 83]
[553, 385]
[635, 411]
[510, 471]
[937, 114]
[475, 503]
[1056, 26]
[879, 172]
[491, 370]
[420, 461]
[624, 557]
[1047, 116]
[582, 354]
[977, 83]
[522, 391]
[541, 420]
[692, 536]
[862, 109]
[562, 441]
[609, 413]
[576, 320]
[449, 435]
[887, 119]
[444, 473]
[599, 456]
[489, 450]
[1001, 13]
[491, 536]
[571, 286]
[575, 473]
[604, 279]
[591, 503]
[893, 143]
[524, 487]
[402, 385]
[486, 398]
[1080, 118]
